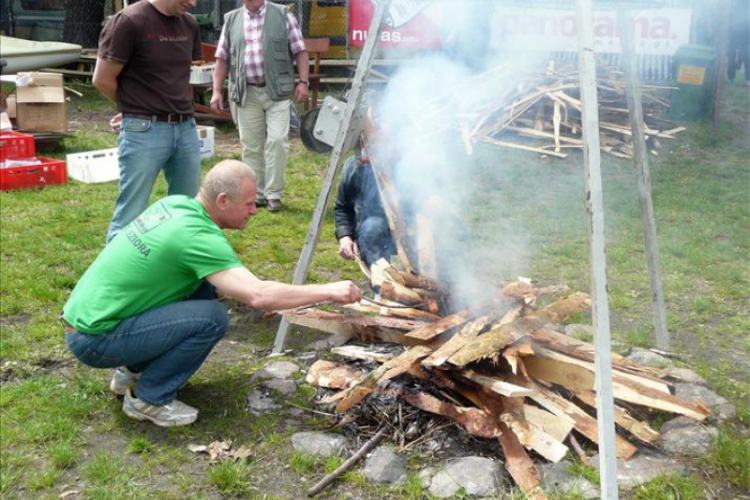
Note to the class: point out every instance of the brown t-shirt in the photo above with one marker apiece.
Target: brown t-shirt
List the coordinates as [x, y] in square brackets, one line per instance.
[157, 51]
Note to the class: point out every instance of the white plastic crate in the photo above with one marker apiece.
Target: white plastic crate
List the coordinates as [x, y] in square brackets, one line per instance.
[202, 74]
[94, 166]
[206, 138]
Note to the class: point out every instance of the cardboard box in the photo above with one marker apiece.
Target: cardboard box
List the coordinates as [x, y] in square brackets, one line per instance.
[206, 138]
[93, 167]
[40, 103]
[10, 106]
[5, 124]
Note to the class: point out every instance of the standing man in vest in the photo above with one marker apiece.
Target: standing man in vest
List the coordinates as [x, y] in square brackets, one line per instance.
[143, 65]
[259, 44]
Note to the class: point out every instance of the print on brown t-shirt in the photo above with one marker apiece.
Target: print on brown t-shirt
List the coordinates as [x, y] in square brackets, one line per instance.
[157, 51]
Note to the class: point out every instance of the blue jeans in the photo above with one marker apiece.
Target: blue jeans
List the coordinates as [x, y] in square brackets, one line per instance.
[374, 240]
[146, 147]
[166, 345]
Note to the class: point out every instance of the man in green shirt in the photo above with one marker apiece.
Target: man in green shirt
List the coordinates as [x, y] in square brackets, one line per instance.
[147, 306]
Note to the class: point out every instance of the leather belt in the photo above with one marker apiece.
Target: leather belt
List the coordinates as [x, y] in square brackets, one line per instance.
[253, 84]
[167, 118]
[68, 327]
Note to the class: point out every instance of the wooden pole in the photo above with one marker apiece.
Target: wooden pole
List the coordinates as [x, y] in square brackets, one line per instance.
[721, 65]
[640, 158]
[595, 208]
[334, 164]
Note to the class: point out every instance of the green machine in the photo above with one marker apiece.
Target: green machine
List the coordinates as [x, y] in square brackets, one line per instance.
[695, 77]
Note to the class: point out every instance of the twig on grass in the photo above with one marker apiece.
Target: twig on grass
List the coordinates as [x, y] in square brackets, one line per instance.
[346, 465]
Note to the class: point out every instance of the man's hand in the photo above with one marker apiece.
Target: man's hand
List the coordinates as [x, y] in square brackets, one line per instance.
[217, 101]
[344, 292]
[115, 124]
[348, 248]
[301, 93]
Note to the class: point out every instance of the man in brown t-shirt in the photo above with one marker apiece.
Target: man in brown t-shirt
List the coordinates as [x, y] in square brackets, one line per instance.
[143, 65]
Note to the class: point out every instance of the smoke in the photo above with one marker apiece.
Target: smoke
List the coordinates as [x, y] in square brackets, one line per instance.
[426, 117]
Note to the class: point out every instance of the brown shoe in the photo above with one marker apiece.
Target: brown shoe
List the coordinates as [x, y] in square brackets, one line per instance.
[274, 205]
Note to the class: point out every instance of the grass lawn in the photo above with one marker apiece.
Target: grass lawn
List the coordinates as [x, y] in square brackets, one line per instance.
[62, 431]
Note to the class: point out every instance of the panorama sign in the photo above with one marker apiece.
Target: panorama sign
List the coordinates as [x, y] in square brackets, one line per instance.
[422, 24]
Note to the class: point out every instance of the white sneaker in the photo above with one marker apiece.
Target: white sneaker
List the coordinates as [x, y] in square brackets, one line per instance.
[122, 379]
[173, 414]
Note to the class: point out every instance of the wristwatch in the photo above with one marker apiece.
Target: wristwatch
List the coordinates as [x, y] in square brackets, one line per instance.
[306, 84]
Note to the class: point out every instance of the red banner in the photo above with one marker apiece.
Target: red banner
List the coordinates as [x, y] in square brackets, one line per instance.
[405, 25]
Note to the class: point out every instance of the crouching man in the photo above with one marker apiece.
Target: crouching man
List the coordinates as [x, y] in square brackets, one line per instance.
[147, 306]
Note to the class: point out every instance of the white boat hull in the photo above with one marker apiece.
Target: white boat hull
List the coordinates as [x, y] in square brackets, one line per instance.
[29, 55]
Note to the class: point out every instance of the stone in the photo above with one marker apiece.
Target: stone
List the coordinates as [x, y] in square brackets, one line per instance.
[685, 375]
[425, 476]
[643, 467]
[259, 403]
[579, 331]
[720, 407]
[328, 342]
[647, 358]
[385, 466]
[476, 475]
[275, 369]
[677, 423]
[557, 479]
[286, 387]
[689, 441]
[319, 443]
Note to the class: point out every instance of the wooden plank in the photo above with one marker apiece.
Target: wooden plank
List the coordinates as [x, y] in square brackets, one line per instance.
[490, 343]
[494, 384]
[366, 329]
[332, 375]
[429, 332]
[468, 332]
[520, 466]
[477, 422]
[355, 394]
[654, 384]
[558, 427]
[346, 129]
[393, 291]
[505, 144]
[425, 246]
[357, 352]
[546, 445]
[643, 173]
[584, 423]
[564, 307]
[640, 430]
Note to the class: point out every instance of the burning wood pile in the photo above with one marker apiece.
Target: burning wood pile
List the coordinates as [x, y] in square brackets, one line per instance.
[545, 112]
[499, 369]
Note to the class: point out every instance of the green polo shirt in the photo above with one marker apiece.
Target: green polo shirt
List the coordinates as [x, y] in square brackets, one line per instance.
[159, 258]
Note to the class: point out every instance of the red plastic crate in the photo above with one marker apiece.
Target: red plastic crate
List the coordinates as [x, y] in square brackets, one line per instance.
[16, 145]
[50, 171]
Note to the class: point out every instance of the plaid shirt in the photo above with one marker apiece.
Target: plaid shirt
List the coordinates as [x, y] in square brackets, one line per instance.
[254, 42]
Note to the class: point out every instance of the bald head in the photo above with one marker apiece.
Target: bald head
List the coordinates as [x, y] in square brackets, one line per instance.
[227, 176]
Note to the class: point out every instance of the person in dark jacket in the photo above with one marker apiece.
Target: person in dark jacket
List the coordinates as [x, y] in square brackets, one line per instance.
[361, 224]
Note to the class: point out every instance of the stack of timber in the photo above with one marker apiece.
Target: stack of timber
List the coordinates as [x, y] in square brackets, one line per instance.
[500, 370]
[542, 113]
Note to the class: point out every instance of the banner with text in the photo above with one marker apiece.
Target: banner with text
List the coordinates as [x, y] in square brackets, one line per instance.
[423, 24]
